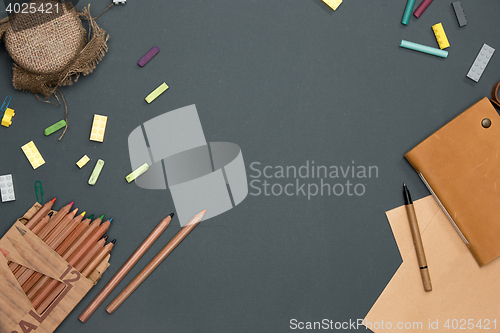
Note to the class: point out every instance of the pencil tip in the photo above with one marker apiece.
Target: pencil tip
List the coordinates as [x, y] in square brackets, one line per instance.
[101, 217]
[113, 241]
[83, 214]
[111, 219]
[105, 237]
[91, 217]
[71, 203]
[75, 210]
[51, 213]
[53, 200]
[172, 215]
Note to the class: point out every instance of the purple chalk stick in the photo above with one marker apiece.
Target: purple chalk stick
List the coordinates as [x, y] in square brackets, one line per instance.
[148, 56]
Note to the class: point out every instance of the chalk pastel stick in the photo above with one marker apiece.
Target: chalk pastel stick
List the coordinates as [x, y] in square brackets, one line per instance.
[148, 56]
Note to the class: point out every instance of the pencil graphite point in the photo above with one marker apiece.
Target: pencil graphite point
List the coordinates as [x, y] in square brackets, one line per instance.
[83, 214]
[197, 218]
[51, 213]
[101, 217]
[71, 203]
[105, 237]
[113, 241]
[53, 200]
[91, 217]
[110, 220]
[172, 215]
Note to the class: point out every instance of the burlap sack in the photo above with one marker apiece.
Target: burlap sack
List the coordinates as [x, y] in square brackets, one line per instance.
[51, 50]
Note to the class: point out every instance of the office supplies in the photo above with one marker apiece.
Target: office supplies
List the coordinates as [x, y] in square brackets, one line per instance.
[459, 13]
[157, 92]
[119, 2]
[155, 262]
[148, 56]
[407, 12]
[127, 266]
[417, 240]
[98, 128]
[440, 36]
[99, 258]
[7, 117]
[17, 311]
[462, 289]
[137, 172]
[33, 155]
[53, 288]
[55, 127]
[97, 171]
[7, 188]
[39, 191]
[420, 9]
[333, 4]
[5, 104]
[423, 48]
[82, 161]
[40, 214]
[480, 63]
[459, 166]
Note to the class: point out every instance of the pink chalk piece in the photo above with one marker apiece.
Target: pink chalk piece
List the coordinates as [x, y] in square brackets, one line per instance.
[420, 9]
[148, 56]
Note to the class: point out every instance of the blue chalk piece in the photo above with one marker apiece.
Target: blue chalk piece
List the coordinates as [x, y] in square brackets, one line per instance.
[407, 13]
[423, 48]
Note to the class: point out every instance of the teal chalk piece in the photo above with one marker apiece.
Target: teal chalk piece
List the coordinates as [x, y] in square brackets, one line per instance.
[407, 13]
[422, 48]
[54, 128]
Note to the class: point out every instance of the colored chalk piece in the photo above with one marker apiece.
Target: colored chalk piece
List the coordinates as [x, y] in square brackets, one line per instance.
[480, 63]
[440, 36]
[459, 13]
[54, 128]
[119, 2]
[148, 56]
[7, 117]
[97, 171]
[407, 13]
[98, 128]
[33, 155]
[7, 188]
[423, 48]
[157, 92]
[82, 161]
[137, 172]
[421, 8]
[333, 4]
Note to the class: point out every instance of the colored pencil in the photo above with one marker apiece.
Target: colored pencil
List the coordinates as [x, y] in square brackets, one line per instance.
[127, 266]
[155, 262]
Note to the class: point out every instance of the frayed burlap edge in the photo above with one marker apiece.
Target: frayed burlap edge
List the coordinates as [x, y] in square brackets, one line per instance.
[84, 63]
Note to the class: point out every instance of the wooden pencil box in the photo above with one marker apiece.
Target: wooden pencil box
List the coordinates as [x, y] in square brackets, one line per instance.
[23, 247]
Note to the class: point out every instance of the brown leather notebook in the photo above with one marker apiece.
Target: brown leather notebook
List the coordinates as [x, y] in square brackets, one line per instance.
[460, 165]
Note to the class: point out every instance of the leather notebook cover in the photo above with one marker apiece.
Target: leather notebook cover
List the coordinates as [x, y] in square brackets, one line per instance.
[460, 164]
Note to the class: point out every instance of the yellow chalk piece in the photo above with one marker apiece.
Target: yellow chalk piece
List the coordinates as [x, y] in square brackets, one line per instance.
[7, 117]
[137, 172]
[440, 36]
[97, 171]
[98, 128]
[333, 4]
[157, 92]
[84, 160]
[33, 154]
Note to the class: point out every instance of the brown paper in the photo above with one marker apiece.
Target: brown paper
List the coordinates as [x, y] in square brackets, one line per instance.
[463, 293]
[22, 246]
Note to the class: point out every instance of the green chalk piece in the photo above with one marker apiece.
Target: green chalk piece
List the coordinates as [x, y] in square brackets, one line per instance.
[54, 128]
[137, 172]
[422, 48]
[407, 13]
[97, 171]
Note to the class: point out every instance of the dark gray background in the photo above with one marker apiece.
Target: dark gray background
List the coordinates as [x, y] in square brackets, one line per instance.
[288, 81]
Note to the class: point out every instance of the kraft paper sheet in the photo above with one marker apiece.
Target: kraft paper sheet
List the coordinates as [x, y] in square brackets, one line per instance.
[461, 289]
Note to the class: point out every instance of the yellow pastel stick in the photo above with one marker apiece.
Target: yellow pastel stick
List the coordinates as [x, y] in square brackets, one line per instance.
[157, 92]
[137, 172]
